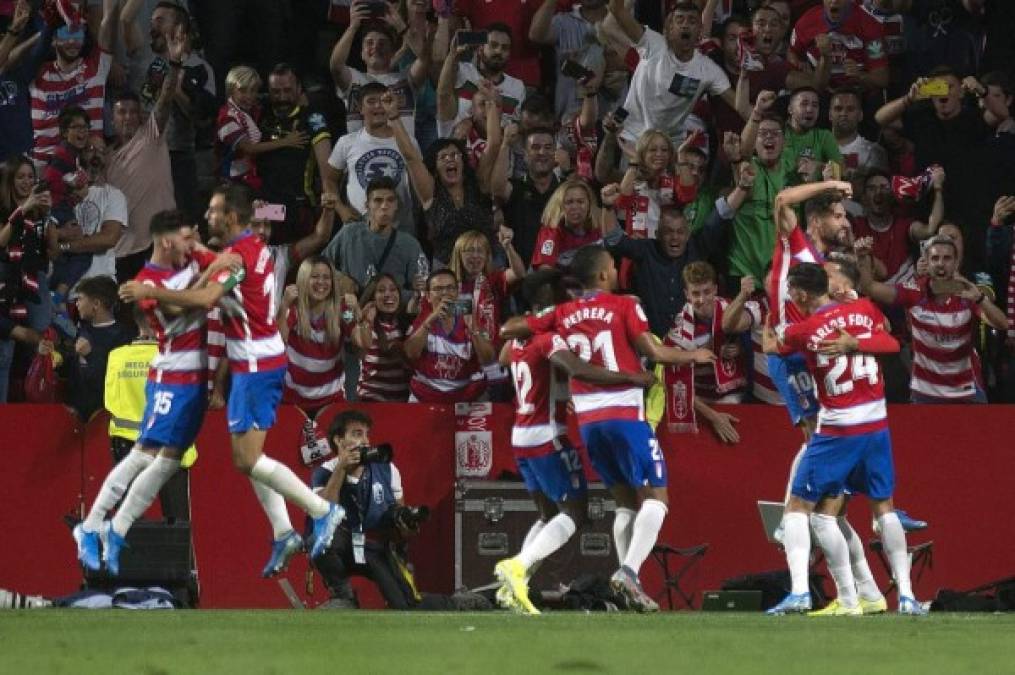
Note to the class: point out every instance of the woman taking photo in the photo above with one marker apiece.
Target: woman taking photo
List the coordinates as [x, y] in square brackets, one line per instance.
[570, 220]
[472, 262]
[384, 374]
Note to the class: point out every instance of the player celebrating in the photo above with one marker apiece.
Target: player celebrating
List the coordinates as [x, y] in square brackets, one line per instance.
[549, 465]
[258, 364]
[610, 331]
[175, 397]
[851, 446]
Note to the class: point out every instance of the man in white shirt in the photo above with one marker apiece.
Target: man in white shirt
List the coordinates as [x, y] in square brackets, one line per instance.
[672, 74]
[859, 155]
[371, 153]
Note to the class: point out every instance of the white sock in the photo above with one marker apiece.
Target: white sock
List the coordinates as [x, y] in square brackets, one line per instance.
[865, 584]
[792, 473]
[536, 528]
[282, 480]
[274, 507]
[893, 538]
[623, 520]
[143, 491]
[116, 483]
[550, 538]
[796, 540]
[831, 541]
[644, 533]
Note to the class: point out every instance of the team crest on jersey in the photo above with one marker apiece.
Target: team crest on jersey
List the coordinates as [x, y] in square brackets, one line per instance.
[547, 248]
[875, 50]
[379, 163]
[378, 493]
[447, 366]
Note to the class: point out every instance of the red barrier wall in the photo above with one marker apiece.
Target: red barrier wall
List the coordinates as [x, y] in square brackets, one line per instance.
[952, 465]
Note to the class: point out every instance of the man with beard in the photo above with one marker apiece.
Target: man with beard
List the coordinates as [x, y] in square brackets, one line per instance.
[193, 101]
[857, 50]
[140, 165]
[808, 148]
[489, 63]
[377, 50]
[292, 175]
[672, 75]
[859, 155]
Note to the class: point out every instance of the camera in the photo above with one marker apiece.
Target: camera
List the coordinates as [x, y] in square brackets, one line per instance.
[410, 517]
[376, 454]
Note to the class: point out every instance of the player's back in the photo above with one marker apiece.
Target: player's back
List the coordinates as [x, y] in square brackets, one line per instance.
[601, 328]
[850, 386]
[540, 394]
[182, 340]
[253, 342]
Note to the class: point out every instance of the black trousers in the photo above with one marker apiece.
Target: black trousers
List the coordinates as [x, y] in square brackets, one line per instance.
[337, 564]
[174, 496]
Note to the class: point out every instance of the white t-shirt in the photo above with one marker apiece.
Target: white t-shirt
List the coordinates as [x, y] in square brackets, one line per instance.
[863, 155]
[512, 92]
[399, 85]
[364, 157]
[650, 103]
[104, 202]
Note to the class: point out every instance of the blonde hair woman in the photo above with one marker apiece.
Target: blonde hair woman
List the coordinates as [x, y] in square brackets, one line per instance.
[472, 259]
[649, 174]
[315, 320]
[570, 221]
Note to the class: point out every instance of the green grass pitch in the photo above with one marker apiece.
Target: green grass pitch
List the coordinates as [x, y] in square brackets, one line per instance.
[44, 642]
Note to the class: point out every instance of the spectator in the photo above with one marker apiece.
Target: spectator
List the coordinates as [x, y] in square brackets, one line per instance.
[384, 375]
[377, 51]
[537, 112]
[292, 176]
[316, 321]
[63, 163]
[363, 156]
[672, 74]
[15, 111]
[749, 311]
[859, 155]
[376, 243]
[1001, 254]
[472, 263]
[807, 148]
[648, 184]
[489, 63]
[856, 44]
[98, 334]
[445, 348]
[418, 43]
[570, 221]
[511, 50]
[237, 133]
[525, 197]
[192, 104]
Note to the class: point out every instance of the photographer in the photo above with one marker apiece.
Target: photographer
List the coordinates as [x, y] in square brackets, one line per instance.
[370, 542]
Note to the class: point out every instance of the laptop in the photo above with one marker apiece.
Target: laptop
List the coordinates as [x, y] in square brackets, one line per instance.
[771, 518]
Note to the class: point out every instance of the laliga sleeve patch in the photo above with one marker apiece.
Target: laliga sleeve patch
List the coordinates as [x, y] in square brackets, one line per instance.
[557, 344]
[547, 248]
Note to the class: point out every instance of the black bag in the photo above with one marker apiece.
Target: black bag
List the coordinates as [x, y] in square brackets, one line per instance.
[996, 596]
[592, 592]
[775, 585]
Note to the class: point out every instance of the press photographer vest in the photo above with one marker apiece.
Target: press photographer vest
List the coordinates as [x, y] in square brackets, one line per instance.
[367, 502]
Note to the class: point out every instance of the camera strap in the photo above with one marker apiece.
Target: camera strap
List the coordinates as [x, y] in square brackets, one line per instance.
[386, 252]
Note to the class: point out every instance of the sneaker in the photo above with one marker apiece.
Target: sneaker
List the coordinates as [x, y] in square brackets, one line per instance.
[910, 606]
[282, 550]
[625, 582]
[114, 543]
[88, 548]
[512, 574]
[324, 530]
[879, 606]
[505, 600]
[792, 604]
[836, 608]
[910, 524]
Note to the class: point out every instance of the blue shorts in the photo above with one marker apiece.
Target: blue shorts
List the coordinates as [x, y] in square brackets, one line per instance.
[832, 465]
[558, 475]
[625, 452]
[795, 385]
[173, 414]
[254, 399]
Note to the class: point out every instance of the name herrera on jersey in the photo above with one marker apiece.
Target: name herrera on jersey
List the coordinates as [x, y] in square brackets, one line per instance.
[834, 324]
[586, 313]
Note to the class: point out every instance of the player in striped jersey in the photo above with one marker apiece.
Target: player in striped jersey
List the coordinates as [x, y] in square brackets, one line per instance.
[257, 362]
[175, 396]
[549, 465]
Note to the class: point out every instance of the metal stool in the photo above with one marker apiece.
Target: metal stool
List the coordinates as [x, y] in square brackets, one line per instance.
[921, 558]
[662, 553]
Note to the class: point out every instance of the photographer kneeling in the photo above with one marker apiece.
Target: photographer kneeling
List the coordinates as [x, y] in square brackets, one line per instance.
[370, 542]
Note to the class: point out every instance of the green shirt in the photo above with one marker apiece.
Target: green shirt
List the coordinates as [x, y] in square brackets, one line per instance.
[816, 144]
[754, 224]
[697, 211]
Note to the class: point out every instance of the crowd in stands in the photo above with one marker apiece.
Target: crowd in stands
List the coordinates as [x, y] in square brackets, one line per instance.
[413, 161]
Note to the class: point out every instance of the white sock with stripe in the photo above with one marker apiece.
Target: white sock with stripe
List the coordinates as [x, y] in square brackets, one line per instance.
[143, 491]
[282, 480]
[551, 537]
[274, 507]
[113, 488]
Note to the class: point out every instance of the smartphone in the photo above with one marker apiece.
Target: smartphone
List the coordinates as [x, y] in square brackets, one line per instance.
[377, 10]
[946, 286]
[835, 169]
[935, 86]
[273, 212]
[683, 86]
[461, 307]
[573, 69]
[620, 114]
[41, 185]
[470, 38]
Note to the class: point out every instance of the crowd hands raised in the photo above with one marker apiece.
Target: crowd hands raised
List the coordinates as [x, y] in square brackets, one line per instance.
[444, 152]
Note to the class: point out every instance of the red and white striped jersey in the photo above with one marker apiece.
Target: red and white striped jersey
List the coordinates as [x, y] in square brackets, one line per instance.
[943, 332]
[314, 376]
[52, 90]
[384, 377]
[541, 396]
[447, 371]
[216, 342]
[789, 251]
[182, 357]
[253, 343]
[601, 328]
[849, 387]
[763, 388]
